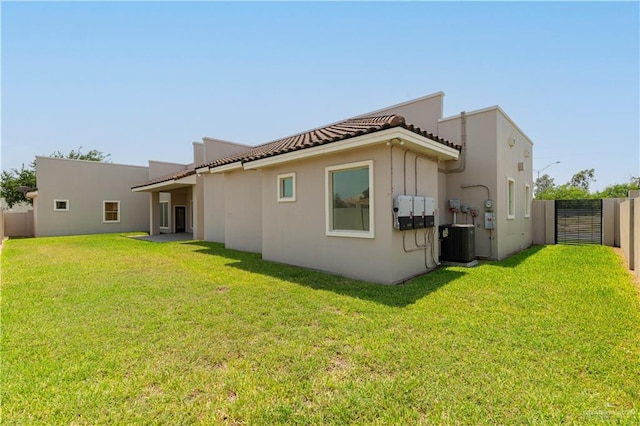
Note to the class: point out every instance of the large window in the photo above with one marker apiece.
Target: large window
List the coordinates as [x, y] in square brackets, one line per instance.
[60, 205]
[287, 187]
[527, 201]
[511, 207]
[164, 214]
[349, 189]
[111, 211]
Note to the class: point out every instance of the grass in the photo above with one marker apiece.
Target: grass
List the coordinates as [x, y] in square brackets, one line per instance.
[111, 330]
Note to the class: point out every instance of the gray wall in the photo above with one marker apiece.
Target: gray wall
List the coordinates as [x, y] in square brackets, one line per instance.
[628, 231]
[86, 184]
[214, 207]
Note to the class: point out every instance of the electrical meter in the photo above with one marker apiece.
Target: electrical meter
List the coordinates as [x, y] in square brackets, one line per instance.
[488, 205]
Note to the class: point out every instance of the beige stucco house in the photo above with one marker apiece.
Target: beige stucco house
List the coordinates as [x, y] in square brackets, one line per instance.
[87, 197]
[335, 198]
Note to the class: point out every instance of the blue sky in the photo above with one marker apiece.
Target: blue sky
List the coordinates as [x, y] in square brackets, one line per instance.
[143, 80]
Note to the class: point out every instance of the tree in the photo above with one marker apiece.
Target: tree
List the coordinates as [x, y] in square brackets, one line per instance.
[544, 184]
[14, 184]
[619, 190]
[583, 179]
[93, 155]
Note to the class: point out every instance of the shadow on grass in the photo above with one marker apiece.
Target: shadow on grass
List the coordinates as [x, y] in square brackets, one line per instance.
[390, 295]
[518, 258]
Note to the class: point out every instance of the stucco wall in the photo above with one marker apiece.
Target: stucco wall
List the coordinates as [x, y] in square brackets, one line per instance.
[515, 161]
[496, 150]
[243, 212]
[218, 148]
[158, 169]
[18, 224]
[480, 168]
[422, 112]
[636, 235]
[214, 207]
[86, 184]
[295, 232]
[628, 231]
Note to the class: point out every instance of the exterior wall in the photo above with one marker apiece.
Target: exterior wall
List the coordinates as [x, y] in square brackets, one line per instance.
[543, 218]
[496, 150]
[86, 184]
[295, 232]
[18, 224]
[198, 194]
[217, 148]
[423, 112]
[243, 214]
[611, 222]
[636, 235]
[214, 207]
[628, 231]
[158, 169]
[480, 168]
[514, 152]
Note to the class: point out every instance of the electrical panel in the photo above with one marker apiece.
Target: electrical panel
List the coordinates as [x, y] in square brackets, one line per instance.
[418, 212]
[464, 208]
[429, 212]
[403, 209]
[413, 212]
[454, 205]
[489, 220]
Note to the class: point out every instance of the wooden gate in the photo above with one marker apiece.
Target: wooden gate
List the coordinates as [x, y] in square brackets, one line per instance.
[578, 221]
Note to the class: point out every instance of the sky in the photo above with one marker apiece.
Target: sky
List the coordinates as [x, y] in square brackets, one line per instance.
[143, 80]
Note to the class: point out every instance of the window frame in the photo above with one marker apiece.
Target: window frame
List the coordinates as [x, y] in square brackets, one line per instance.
[511, 199]
[329, 170]
[55, 205]
[104, 211]
[279, 180]
[527, 200]
[167, 215]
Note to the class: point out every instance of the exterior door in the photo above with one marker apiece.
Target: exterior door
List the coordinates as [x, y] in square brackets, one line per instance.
[181, 218]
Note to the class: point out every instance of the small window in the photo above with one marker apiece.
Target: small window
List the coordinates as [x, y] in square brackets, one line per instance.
[164, 214]
[287, 187]
[511, 207]
[527, 201]
[349, 191]
[111, 211]
[60, 205]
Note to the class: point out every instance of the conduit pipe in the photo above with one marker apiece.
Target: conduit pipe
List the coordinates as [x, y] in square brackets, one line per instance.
[463, 152]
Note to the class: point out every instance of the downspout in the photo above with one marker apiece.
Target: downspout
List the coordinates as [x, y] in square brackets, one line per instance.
[463, 152]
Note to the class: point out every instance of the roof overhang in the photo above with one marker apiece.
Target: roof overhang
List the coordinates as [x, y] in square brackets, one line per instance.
[168, 185]
[222, 169]
[409, 139]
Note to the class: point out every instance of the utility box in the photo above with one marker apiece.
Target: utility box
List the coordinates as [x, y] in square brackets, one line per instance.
[489, 220]
[403, 208]
[429, 212]
[459, 244]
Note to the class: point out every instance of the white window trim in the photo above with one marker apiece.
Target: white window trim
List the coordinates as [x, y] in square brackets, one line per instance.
[168, 215]
[104, 212]
[527, 200]
[281, 177]
[511, 201]
[329, 201]
[55, 206]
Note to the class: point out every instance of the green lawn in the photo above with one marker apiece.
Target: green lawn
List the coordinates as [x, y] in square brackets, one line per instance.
[111, 330]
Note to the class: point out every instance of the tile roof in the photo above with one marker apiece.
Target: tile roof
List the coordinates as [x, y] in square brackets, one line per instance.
[324, 135]
[167, 178]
